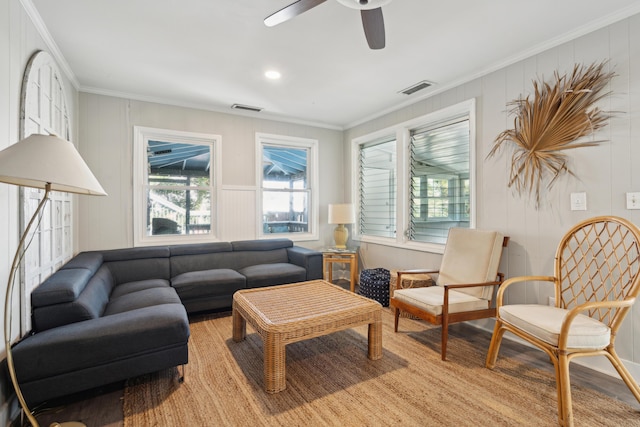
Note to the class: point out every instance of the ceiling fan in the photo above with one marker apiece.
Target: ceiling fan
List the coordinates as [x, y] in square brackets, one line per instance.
[370, 10]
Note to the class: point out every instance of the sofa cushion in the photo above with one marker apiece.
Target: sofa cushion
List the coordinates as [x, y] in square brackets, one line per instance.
[273, 274]
[431, 300]
[140, 285]
[144, 298]
[196, 284]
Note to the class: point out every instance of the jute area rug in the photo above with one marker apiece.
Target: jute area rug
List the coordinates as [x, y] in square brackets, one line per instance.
[330, 382]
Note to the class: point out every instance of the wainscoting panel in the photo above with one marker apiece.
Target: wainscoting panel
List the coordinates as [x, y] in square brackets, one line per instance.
[238, 213]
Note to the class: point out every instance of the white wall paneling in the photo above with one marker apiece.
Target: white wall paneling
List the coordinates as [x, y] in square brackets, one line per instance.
[238, 213]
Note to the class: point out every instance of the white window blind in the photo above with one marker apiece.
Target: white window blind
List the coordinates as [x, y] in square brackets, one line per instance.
[377, 213]
[439, 184]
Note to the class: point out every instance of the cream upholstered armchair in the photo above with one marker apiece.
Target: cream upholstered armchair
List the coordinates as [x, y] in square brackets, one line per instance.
[465, 282]
[596, 282]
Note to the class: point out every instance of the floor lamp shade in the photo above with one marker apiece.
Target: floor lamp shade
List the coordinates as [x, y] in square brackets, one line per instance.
[53, 164]
[48, 159]
[341, 214]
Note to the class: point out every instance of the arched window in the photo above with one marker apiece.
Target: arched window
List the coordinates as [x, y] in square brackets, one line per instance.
[43, 110]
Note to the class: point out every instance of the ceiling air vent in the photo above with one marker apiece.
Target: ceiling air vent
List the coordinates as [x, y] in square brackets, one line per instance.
[246, 108]
[416, 87]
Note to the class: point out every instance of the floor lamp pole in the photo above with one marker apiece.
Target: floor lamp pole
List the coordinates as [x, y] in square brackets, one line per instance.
[8, 306]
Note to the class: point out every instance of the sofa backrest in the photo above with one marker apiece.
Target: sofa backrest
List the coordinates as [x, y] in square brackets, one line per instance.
[232, 255]
[254, 252]
[133, 264]
[198, 257]
[78, 291]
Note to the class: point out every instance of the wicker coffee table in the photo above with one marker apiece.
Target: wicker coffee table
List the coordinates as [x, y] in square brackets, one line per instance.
[299, 311]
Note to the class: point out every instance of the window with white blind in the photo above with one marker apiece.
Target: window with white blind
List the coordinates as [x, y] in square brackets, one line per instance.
[415, 180]
[377, 188]
[439, 180]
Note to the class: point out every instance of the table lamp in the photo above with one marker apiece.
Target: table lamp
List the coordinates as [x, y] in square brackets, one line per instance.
[51, 163]
[341, 214]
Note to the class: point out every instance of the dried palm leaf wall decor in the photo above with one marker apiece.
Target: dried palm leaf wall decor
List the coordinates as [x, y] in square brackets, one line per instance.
[550, 122]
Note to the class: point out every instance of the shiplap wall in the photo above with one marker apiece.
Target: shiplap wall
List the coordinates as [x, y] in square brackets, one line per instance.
[239, 223]
[605, 172]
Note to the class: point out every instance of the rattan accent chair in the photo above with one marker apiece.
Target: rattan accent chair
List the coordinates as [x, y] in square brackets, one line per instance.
[465, 282]
[596, 282]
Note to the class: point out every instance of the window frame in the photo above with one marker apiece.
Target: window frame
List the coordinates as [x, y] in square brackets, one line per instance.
[142, 135]
[266, 139]
[402, 132]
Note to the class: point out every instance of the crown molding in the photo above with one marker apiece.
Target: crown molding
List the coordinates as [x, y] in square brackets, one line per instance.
[42, 29]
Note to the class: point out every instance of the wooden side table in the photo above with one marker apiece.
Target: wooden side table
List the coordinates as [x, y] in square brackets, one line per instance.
[342, 256]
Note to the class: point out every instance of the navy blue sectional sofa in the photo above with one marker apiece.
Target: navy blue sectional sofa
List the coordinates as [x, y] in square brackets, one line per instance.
[106, 316]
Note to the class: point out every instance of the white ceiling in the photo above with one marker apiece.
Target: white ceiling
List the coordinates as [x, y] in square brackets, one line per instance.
[213, 53]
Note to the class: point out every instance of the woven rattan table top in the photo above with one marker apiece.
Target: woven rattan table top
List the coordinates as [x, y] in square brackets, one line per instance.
[313, 301]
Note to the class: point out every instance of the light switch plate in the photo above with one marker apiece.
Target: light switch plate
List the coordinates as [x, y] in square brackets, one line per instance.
[578, 201]
[633, 200]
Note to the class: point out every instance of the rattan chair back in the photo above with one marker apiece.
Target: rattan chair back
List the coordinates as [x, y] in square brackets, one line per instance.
[599, 260]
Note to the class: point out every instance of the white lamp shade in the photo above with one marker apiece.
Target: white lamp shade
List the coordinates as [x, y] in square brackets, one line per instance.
[342, 214]
[39, 160]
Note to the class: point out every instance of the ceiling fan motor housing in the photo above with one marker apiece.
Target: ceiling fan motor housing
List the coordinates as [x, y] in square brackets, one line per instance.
[364, 4]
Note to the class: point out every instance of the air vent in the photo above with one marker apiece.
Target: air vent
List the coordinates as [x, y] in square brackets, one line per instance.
[416, 87]
[246, 108]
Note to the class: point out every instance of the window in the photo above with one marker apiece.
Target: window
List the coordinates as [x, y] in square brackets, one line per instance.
[416, 177]
[176, 176]
[439, 171]
[377, 213]
[44, 110]
[287, 175]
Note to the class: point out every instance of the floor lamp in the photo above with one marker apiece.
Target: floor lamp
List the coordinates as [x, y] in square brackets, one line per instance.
[53, 164]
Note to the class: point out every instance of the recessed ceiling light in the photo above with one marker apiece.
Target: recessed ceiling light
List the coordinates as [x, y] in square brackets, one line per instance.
[272, 74]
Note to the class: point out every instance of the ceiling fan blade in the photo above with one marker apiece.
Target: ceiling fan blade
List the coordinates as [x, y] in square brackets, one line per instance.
[373, 24]
[291, 11]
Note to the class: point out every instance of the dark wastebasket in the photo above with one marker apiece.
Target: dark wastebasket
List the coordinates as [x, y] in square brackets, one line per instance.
[374, 284]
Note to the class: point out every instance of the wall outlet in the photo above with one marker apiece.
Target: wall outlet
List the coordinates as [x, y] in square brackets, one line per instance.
[579, 201]
[633, 200]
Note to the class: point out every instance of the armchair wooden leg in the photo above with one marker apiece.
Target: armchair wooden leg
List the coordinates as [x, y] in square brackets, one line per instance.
[494, 346]
[565, 412]
[396, 314]
[445, 336]
[623, 372]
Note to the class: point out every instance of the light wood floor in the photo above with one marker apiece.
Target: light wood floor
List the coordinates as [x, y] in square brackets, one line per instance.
[103, 407]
